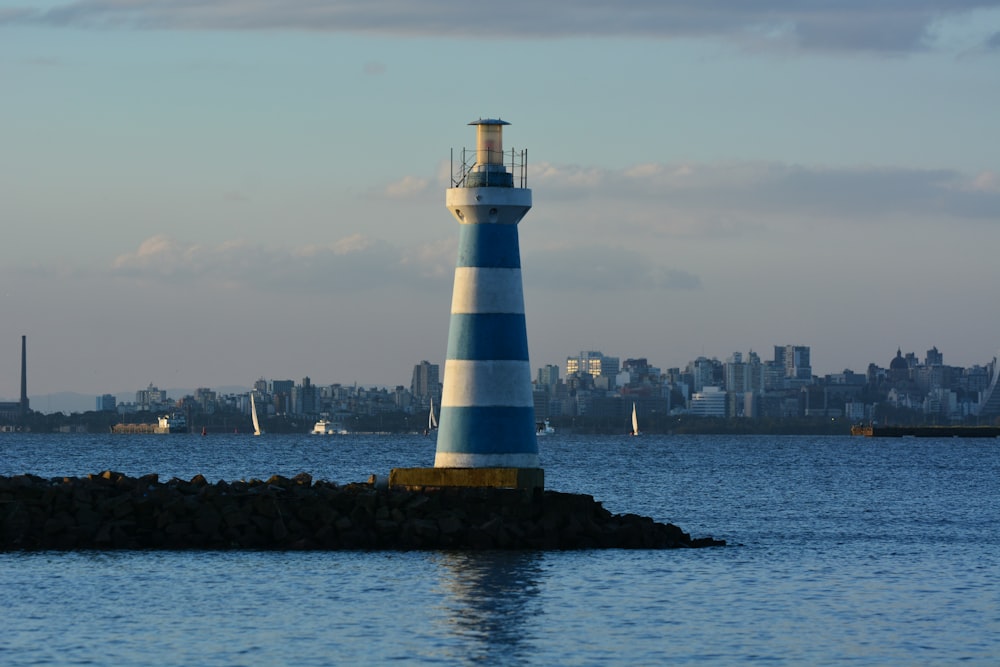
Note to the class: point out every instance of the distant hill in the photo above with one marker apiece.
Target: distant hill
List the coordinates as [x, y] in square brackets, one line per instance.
[66, 402]
[69, 402]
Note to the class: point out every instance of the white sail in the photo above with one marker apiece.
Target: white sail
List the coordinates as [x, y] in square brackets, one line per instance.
[253, 415]
[635, 421]
[432, 422]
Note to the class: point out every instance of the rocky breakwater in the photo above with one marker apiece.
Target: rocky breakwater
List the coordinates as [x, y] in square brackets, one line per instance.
[113, 511]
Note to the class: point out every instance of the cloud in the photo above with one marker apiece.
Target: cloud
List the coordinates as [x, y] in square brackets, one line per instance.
[895, 26]
[406, 187]
[353, 263]
[987, 181]
[18, 14]
[356, 263]
[720, 191]
[601, 269]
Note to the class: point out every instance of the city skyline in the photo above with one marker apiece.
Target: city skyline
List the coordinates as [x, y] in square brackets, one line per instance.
[203, 194]
[68, 402]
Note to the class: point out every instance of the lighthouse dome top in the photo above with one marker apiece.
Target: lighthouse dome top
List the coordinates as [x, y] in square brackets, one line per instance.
[489, 121]
[490, 166]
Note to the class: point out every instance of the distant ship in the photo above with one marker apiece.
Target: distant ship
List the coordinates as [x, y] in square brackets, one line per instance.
[324, 427]
[172, 423]
[544, 428]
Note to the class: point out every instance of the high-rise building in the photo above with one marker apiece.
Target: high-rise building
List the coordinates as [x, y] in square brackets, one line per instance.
[795, 360]
[593, 363]
[743, 376]
[303, 398]
[425, 384]
[548, 376]
[106, 403]
[151, 398]
[704, 372]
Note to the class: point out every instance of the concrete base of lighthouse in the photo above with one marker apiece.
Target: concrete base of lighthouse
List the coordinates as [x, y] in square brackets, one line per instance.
[494, 478]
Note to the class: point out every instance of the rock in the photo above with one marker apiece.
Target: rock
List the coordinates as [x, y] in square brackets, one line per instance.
[109, 510]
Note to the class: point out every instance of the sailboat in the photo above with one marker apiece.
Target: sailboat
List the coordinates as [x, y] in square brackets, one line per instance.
[432, 422]
[253, 414]
[635, 422]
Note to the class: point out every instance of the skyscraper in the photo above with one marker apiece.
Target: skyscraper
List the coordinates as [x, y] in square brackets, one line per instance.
[426, 383]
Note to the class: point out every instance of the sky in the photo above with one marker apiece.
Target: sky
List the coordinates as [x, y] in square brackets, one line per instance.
[207, 192]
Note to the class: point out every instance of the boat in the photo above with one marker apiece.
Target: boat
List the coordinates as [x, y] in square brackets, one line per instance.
[544, 428]
[432, 422]
[635, 422]
[172, 423]
[257, 430]
[326, 427]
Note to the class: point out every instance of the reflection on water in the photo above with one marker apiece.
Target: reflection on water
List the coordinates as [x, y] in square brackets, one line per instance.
[490, 603]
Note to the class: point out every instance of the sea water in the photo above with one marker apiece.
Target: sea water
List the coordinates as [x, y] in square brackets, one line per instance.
[841, 550]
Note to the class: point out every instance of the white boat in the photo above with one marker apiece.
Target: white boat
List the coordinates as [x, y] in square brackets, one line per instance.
[432, 422]
[326, 427]
[635, 422]
[544, 428]
[257, 430]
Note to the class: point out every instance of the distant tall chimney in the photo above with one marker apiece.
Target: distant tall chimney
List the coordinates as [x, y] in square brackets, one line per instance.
[24, 375]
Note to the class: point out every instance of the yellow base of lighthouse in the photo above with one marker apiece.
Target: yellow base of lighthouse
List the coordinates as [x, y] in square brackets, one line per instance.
[496, 478]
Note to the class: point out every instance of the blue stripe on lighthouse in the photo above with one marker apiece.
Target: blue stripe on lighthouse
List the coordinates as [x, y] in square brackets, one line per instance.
[487, 430]
[489, 246]
[486, 336]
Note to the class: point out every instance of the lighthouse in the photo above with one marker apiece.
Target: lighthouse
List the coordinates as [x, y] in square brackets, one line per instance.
[486, 430]
[487, 413]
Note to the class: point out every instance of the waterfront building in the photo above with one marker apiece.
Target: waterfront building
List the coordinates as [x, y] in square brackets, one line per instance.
[709, 402]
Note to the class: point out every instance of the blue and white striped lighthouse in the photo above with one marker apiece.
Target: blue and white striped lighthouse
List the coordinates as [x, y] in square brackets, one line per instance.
[487, 414]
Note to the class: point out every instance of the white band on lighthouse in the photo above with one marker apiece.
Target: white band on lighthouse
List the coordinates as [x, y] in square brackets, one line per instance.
[482, 290]
[487, 383]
